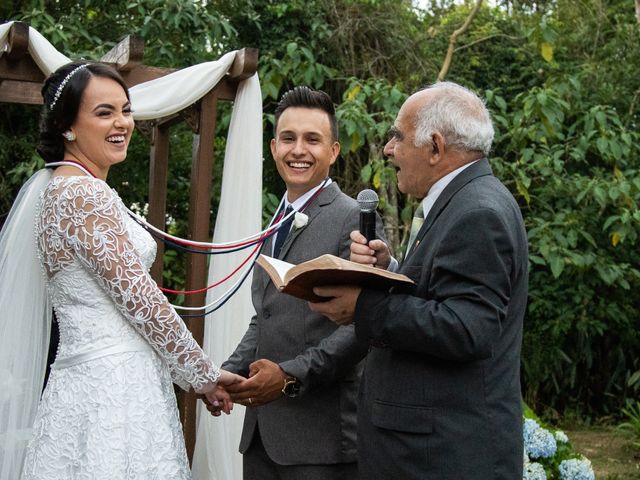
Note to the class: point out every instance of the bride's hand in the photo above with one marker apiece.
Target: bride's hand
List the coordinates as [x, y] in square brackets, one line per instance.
[216, 398]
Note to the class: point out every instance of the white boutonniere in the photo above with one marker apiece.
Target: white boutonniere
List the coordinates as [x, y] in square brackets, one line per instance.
[300, 220]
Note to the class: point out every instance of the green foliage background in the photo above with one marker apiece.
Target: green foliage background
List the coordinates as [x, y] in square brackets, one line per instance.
[559, 76]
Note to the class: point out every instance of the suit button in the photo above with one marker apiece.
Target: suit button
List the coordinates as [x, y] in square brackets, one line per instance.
[266, 314]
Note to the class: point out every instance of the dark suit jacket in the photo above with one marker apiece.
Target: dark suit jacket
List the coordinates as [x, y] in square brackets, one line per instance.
[441, 390]
[319, 426]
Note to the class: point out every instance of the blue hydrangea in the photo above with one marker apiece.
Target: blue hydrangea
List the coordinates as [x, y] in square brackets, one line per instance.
[534, 471]
[561, 436]
[576, 469]
[538, 442]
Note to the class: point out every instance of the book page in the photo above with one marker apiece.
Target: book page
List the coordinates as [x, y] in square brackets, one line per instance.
[300, 280]
[279, 267]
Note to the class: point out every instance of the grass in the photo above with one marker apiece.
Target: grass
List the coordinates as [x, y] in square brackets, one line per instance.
[612, 451]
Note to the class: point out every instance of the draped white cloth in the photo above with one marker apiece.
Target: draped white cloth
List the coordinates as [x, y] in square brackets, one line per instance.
[215, 446]
[239, 215]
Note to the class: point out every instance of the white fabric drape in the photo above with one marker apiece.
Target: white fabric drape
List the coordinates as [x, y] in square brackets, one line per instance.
[239, 215]
[175, 91]
[153, 99]
[224, 329]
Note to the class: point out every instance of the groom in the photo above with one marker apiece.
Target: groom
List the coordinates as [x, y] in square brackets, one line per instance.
[304, 370]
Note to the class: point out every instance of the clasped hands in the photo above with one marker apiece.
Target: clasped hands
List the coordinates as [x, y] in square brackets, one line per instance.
[341, 305]
[216, 394]
[266, 378]
[264, 385]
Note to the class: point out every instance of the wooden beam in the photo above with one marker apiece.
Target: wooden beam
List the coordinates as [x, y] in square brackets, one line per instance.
[227, 89]
[24, 69]
[158, 175]
[199, 212]
[245, 64]
[143, 73]
[18, 44]
[12, 91]
[127, 54]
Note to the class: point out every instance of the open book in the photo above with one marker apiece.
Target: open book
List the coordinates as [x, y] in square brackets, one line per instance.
[299, 280]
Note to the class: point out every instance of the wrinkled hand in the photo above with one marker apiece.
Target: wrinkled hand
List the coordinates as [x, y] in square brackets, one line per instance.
[264, 384]
[341, 308]
[217, 398]
[375, 253]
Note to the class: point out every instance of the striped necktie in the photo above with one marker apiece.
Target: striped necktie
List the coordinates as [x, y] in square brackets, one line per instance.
[416, 225]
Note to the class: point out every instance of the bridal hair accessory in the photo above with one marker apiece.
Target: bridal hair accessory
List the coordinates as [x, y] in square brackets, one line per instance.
[69, 136]
[64, 81]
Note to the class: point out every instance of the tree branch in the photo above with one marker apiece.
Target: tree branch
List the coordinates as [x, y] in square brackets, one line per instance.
[454, 38]
[480, 40]
[638, 10]
[632, 105]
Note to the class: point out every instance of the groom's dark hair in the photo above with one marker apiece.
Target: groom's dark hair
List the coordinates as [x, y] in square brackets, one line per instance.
[306, 97]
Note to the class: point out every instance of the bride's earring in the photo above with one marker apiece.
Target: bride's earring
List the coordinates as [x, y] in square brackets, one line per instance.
[69, 136]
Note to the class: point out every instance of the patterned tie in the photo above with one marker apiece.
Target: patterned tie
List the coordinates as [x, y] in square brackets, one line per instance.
[416, 225]
[283, 232]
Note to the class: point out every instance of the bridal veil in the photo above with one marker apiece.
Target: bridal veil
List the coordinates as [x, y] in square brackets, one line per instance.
[25, 320]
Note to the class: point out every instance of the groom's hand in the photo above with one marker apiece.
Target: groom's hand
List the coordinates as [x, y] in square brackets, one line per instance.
[216, 398]
[264, 384]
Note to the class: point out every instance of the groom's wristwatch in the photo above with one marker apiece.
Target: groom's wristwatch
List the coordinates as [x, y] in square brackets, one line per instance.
[291, 387]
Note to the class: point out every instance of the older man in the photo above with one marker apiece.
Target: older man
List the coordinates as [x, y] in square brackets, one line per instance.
[440, 396]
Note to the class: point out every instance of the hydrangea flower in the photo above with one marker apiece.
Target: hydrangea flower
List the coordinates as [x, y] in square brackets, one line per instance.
[561, 436]
[534, 471]
[538, 442]
[576, 469]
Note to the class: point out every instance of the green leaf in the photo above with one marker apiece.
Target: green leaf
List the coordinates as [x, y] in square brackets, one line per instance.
[537, 260]
[615, 238]
[356, 141]
[522, 190]
[291, 48]
[616, 151]
[557, 266]
[587, 236]
[546, 49]
[365, 173]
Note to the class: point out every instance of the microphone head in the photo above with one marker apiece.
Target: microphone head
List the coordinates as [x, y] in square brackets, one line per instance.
[368, 200]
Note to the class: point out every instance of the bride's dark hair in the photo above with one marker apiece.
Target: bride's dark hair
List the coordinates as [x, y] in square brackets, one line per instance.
[58, 114]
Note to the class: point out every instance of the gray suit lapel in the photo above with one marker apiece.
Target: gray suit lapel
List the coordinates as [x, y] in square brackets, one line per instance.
[478, 169]
[325, 197]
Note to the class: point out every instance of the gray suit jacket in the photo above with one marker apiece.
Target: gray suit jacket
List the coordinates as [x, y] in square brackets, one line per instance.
[318, 426]
[441, 397]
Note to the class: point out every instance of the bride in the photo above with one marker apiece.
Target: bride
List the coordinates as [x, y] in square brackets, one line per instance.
[108, 410]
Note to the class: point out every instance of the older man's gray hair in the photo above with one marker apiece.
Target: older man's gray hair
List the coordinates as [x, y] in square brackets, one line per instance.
[459, 115]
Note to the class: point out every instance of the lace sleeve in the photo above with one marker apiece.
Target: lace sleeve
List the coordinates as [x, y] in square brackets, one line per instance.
[91, 221]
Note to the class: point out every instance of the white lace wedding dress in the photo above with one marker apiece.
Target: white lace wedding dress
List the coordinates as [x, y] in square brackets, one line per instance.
[109, 410]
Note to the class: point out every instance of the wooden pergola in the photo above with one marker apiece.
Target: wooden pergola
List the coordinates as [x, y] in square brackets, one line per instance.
[21, 81]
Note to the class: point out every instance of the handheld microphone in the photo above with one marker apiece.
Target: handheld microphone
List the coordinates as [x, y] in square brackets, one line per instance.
[368, 201]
